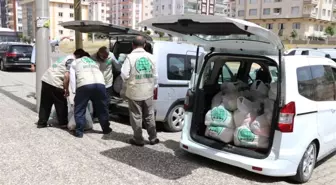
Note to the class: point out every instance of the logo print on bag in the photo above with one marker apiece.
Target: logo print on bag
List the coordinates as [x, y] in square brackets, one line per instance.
[218, 114]
[144, 68]
[216, 130]
[244, 134]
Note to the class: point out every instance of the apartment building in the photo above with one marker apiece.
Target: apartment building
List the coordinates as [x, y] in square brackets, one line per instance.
[206, 7]
[147, 9]
[3, 17]
[126, 13]
[98, 10]
[13, 14]
[308, 18]
[59, 11]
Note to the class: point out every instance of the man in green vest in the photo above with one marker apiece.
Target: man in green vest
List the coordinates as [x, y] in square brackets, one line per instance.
[110, 68]
[53, 91]
[140, 76]
[89, 85]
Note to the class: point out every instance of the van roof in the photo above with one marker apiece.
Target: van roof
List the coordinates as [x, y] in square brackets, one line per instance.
[302, 60]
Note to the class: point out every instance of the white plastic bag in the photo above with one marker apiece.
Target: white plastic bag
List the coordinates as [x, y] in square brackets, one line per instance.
[241, 118]
[261, 126]
[244, 137]
[88, 118]
[230, 101]
[268, 109]
[219, 116]
[220, 133]
[228, 87]
[241, 86]
[273, 91]
[216, 100]
[118, 84]
[244, 105]
[259, 88]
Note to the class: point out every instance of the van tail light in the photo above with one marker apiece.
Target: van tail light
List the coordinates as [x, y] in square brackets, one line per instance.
[155, 93]
[188, 101]
[286, 117]
[10, 54]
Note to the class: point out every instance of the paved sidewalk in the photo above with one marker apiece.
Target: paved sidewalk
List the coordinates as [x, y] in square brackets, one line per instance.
[52, 156]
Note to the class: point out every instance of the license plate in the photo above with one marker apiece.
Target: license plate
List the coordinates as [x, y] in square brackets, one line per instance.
[24, 58]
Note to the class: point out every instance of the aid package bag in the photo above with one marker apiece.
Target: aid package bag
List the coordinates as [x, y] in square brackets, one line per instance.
[88, 118]
[243, 136]
[261, 126]
[219, 116]
[217, 100]
[220, 133]
[273, 91]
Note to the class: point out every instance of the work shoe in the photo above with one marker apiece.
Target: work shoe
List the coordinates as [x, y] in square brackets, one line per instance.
[76, 134]
[41, 125]
[135, 143]
[154, 141]
[108, 131]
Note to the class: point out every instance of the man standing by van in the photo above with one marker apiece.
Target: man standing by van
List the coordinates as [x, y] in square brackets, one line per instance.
[140, 76]
[53, 91]
[90, 85]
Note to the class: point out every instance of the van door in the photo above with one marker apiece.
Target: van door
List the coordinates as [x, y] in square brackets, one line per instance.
[326, 105]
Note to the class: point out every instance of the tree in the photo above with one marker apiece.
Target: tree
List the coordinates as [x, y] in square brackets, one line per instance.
[329, 31]
[293, 35]
[148, 32]
[161, 34]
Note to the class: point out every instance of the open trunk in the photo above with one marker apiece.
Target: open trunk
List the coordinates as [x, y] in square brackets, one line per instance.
[219, 69]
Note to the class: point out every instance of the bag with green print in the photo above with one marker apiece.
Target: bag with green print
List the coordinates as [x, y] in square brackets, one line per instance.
[219, 116]
[220, 133]
[244, 137]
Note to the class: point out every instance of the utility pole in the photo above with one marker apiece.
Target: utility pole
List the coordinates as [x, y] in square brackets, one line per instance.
[42, 45]
[78, 16]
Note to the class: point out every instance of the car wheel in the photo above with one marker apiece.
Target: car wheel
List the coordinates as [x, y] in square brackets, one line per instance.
[175, 119]
[2, 66]
[307, 164]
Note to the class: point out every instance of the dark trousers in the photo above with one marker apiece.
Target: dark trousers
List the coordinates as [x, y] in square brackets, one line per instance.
[97, 94]
[51, 95]
[108, 99]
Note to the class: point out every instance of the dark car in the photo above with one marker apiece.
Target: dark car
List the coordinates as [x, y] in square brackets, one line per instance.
[15, 55]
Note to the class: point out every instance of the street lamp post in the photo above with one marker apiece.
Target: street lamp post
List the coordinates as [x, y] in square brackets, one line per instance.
[78, 16]
[42, 49]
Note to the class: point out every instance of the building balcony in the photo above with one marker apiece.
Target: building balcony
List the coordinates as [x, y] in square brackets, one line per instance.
[190, 10]
[309, 14]
[311, 2]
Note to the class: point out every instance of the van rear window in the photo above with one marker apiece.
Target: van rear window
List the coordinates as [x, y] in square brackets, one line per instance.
[179, 67]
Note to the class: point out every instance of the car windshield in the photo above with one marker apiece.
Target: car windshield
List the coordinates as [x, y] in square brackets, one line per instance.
[21, 49]
[231, 37]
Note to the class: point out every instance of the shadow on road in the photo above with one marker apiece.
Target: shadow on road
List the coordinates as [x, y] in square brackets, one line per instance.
[19, 100]
[172, 166]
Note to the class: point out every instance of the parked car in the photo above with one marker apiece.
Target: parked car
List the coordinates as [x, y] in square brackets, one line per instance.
[14, 55]
[301, 132]
[308, 51]
[330, 51]
[174, 65]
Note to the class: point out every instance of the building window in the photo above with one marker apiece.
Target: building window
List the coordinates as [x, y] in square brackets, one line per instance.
[296, 26]
[316, 27]
[277, 11]
[253, 12]
[329, 13]
[241, 1]
[324, 12]
[281, 26]
[60, 32]
[71, 15]
[253, 1]
[71, 6]
[295, 10]
[102, 11]
[60, 14]
[241, 13]
[321, 28]
[20, 28]
[269, 26]
[162, 7]
[277, 1]
[267, 11]
[60, 5]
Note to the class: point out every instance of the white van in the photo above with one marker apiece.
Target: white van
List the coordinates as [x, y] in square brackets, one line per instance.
[301, 127]
[175, 62]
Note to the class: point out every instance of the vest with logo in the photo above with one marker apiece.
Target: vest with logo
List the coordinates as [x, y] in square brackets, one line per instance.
[140, 84]
[87, 72]
[106, 69]
[55, 74]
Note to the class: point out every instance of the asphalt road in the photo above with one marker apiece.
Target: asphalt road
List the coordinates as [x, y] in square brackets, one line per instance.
[53, 156]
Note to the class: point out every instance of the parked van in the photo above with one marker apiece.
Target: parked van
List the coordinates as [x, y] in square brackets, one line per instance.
[174, 64]
[300, 131]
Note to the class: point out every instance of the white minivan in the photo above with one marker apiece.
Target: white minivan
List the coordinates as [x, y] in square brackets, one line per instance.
[302, 129]
[175, 62]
